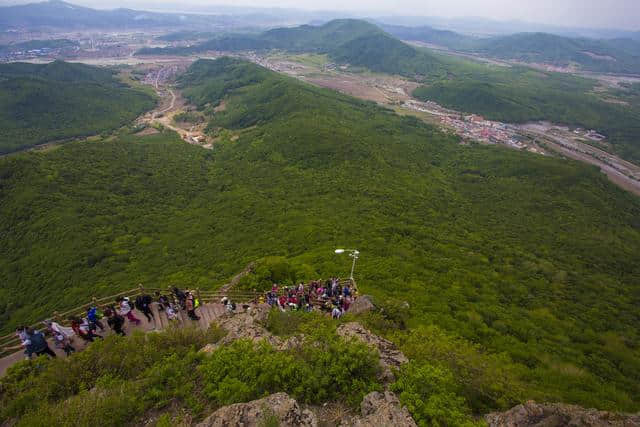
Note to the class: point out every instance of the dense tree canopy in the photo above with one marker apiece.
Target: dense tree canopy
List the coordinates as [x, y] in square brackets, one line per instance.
[533, 258]
[50, 102]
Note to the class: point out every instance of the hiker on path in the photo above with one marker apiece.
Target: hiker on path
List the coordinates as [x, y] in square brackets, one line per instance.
[163, 301]
[59, 329]
[33, 342]
[21, 333]
[62, 336]
[82, 329]
[172, 311]
[94, 316]
[62, 342]
[190, 304]
[127, 310]
[143, 303]
[180, 296]
[115, 321]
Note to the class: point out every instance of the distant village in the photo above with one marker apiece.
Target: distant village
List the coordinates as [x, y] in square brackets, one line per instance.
[474, 127]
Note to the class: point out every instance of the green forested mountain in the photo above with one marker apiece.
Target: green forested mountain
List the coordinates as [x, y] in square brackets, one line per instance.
[347, 41]
[511, 94]
[60, 14]
[615, 56]
[42, 103]
[611, 56]
[532, 258]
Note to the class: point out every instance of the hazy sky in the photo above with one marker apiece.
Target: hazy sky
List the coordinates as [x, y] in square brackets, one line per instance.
[615, 14]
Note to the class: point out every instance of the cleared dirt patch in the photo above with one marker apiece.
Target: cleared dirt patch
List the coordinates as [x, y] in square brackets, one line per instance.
[221, 107]
[147, 131]
[352, 87]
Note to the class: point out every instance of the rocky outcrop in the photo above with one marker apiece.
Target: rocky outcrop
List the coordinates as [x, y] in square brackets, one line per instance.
[248, 325]
[559, 415]
[361, 305]
[390, 356]
[258, 412]
[381, 409]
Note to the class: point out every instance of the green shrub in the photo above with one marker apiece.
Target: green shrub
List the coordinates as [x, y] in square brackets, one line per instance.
[267, 271]
[188, 117]
[323, 368]
[283, 323]
[487, 382]
[42, 382]
[175, 378]
[243, 371]
[114, 407]
[430, 393]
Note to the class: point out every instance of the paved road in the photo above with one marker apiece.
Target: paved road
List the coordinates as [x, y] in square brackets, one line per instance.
[574, 150]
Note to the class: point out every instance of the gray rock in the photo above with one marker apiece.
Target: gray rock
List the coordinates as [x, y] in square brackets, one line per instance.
[209, 348]
[256, 412]
[559, 415]
[381, 409]
[361, 305]
[390, 356]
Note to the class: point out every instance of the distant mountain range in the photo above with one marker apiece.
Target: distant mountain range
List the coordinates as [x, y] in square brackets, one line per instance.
[484, 27]
[347, 41]
[60, 14]
[602, 55]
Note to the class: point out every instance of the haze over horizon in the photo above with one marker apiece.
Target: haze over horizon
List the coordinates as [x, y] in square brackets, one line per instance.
[614, 14]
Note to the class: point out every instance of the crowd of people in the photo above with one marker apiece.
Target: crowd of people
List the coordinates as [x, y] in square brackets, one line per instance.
[331, 297]
[86, 327]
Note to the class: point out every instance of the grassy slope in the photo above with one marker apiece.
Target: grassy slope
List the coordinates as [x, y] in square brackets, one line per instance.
[520, 94]
[530, 256]
[42, 103]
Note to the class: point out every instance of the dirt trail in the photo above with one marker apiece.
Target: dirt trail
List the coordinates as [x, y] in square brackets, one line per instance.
[163, 115]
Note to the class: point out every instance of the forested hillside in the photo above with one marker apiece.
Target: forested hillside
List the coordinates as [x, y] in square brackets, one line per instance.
[347, 41]
[512, 94]
[533, 258]
[609, 56]
[59, 100]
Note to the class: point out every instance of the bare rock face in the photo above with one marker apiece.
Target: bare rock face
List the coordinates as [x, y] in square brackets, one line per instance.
[209, 348]
[257, 412]
[390, 356]
[245, 326]
[381, 409]
[559, 415]
[260, 312]
[361, 305]
[248, 325]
